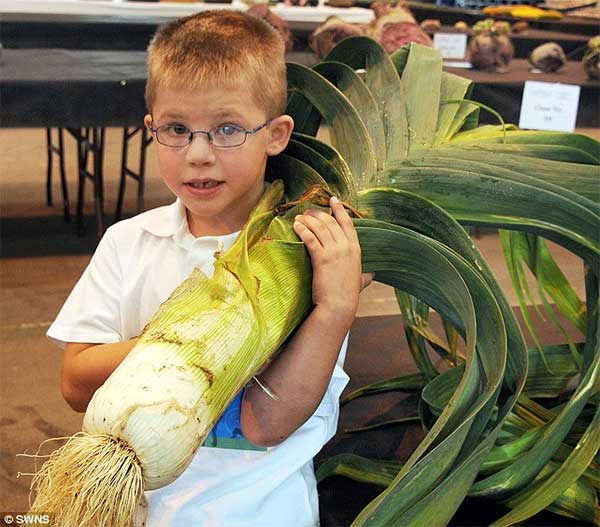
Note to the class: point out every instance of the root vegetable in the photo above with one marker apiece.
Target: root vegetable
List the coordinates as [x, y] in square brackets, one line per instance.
[332, 31]
[591, 59]
[490, 49]
[395, 27]
[461, 26]
[548, 57]
[431, 25]
[262, 11]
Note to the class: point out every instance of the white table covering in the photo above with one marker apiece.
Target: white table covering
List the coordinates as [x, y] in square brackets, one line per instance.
[176, 9]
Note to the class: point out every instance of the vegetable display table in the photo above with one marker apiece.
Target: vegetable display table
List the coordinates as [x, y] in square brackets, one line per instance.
[97, 89]
[573, 44]
[123, 27]
[52, 87]
[503, 91]
[451, 15]
[130, 25]
[57, 87]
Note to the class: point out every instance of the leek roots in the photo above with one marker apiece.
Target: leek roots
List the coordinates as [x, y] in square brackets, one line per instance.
[91, 480]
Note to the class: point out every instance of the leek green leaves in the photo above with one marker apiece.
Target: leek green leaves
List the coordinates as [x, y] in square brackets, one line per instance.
[423, 169]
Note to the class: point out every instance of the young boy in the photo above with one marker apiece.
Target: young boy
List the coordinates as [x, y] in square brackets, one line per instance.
[216, 94]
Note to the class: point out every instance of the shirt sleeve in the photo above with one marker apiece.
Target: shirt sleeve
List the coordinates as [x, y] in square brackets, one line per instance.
[329, 408]
[91, 313]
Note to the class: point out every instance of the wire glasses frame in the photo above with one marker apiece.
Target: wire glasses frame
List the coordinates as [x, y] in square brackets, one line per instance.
[184, 140]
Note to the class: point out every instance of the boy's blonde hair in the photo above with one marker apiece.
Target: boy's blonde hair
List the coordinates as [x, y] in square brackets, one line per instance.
[220, 48]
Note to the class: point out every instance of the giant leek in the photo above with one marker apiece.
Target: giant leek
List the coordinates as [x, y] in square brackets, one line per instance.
[207, 340]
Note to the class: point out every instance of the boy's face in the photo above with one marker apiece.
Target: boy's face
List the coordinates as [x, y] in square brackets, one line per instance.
[218, 186]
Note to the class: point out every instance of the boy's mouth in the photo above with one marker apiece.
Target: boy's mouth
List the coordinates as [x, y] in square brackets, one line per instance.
[206, 183]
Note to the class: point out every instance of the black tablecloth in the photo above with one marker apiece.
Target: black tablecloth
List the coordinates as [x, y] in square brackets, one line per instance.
[83, 32]
[50, 87]
[54, 87]
[66, 88]
[43, 30]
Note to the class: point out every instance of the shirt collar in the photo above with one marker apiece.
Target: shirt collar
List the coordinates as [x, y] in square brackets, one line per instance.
[163, 221]
[174, 223]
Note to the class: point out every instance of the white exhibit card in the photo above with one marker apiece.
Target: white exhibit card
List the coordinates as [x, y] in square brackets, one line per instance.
[549, 106]
[451, 45]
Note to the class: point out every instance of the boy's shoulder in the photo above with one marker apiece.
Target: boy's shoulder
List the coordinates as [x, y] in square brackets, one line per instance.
[161, 221]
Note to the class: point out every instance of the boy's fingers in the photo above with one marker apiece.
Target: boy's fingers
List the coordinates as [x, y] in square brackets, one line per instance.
[310, 240]
[343, 218]
[366, 279]
[317, 227]
[329, 222]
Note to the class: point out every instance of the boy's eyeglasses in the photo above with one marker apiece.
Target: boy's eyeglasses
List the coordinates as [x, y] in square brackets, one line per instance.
[222, 136]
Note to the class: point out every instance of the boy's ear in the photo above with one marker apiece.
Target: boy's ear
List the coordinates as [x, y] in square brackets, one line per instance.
[280, 131]
[147, 121]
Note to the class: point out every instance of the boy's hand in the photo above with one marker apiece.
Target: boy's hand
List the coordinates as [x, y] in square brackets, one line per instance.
[300, 375]
[335, 254]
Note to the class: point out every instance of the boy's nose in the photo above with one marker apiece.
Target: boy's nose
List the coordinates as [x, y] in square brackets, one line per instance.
[200, 151]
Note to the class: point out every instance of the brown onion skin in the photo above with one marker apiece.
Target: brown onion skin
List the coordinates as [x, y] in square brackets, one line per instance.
[394, 36]
[262, 11]
[329, 34]
[519, 27]
[490, 52]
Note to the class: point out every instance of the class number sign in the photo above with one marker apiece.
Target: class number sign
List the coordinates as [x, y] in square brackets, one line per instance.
[549, 106]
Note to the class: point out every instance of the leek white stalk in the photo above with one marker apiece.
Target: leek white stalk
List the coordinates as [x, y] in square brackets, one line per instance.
[143, 426]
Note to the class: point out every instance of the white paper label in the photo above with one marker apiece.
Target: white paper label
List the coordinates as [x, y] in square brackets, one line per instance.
[451, 45]
[458, 64]
[549, 106]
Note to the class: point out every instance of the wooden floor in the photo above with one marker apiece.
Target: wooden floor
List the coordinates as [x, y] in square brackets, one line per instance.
[35, 285]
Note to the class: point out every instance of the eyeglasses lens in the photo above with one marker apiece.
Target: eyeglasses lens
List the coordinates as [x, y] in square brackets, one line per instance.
[173, 136]
[224, 136]
[227, 136]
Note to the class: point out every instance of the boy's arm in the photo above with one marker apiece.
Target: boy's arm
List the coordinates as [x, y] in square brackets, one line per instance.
[85, 367]
[299, 376]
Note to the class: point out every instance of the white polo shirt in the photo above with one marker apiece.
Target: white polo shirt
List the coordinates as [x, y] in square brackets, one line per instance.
[229, 483]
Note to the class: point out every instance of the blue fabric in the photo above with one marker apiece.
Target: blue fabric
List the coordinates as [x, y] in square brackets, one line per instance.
[229, 425]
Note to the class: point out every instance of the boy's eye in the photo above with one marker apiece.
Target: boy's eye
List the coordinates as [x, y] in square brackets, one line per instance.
[176, 129]
[228, 130]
